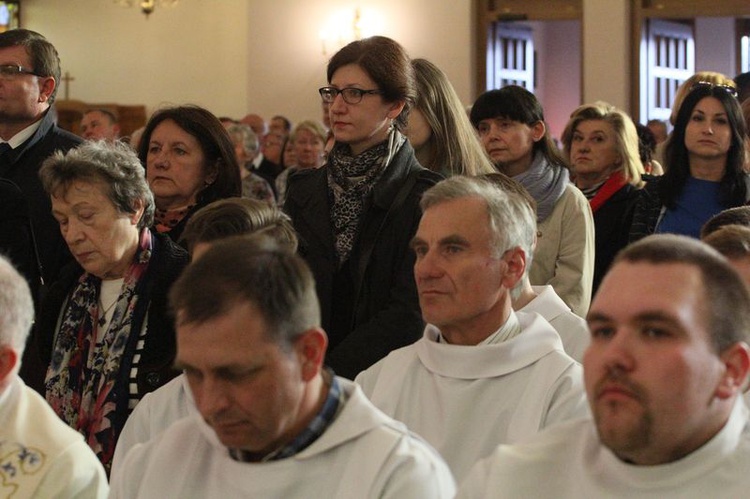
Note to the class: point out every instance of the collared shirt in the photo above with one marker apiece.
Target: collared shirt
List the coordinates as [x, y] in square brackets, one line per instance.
[255, 163]
[334, 401]
[23, 135]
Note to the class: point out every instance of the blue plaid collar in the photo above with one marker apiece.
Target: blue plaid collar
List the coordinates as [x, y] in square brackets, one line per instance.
[319, 424]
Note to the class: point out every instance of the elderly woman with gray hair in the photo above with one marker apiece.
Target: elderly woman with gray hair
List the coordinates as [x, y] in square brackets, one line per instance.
[104, 335]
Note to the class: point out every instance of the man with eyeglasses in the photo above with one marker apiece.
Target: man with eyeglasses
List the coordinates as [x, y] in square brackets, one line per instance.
[29, 73]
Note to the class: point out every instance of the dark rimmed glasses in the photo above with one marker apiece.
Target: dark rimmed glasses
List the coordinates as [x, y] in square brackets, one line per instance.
[707, 84]
[351, 95]
[11, 70]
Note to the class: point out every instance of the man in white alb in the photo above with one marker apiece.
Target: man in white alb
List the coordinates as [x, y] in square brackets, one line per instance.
[664, 377]
[482, 374]
[270, 421]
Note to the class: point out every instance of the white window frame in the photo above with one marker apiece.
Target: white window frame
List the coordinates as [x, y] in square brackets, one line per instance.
[510, 55]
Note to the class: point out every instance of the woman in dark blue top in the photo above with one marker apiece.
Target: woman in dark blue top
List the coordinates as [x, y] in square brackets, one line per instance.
[704, 165]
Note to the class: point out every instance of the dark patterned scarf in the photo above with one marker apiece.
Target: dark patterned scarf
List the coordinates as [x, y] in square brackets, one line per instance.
[83, 373]
[166, 220]
[350, 180]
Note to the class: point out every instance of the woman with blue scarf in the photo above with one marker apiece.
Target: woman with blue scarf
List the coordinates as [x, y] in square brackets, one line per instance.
[510, 122]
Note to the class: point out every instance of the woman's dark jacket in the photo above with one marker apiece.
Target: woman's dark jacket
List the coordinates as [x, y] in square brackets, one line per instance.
[157, 357]
[646, 211]
[612, 223]
[369, 306]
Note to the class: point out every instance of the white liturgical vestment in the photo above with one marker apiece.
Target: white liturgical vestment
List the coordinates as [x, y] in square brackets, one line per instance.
[467, 400]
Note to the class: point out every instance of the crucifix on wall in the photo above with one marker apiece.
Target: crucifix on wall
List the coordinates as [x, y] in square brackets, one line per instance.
[66, 84]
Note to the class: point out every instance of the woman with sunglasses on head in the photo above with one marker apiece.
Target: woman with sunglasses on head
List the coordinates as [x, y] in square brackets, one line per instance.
[679, 97]
[704, 166]
[356, 215]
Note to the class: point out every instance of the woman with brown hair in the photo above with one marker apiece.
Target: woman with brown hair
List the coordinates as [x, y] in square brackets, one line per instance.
[356, 216]
[189, 162]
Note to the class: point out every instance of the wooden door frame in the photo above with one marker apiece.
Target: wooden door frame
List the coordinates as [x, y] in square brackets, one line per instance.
[642, 10]
[487, 12]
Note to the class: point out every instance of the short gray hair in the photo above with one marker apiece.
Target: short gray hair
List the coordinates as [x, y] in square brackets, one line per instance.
[17, 307]
[242, 134]
[114, 164]
[511, 219]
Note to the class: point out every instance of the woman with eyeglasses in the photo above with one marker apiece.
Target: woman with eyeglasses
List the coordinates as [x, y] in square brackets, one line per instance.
[356, 215]
[704, 166]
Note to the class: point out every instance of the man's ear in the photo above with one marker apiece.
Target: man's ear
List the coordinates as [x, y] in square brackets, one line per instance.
[46, 88]
[736, 360]
[515, 259]
[310, 348]
[8, 361]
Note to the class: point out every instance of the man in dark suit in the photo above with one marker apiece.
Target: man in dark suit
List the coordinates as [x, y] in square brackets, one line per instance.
[29, 73]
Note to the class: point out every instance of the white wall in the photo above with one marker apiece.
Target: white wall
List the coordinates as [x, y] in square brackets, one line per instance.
[184, 54]
[233, 56]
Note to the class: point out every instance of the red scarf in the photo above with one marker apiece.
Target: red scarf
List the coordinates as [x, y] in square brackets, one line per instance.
[614, 183]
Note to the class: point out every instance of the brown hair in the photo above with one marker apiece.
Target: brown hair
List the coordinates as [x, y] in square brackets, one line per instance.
[249, 269]
[217, 148]
[387, 63]
[237, 216]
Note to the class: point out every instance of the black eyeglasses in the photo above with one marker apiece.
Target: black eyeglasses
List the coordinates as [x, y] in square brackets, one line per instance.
[707, 84]
[351, 95]
[11, 70]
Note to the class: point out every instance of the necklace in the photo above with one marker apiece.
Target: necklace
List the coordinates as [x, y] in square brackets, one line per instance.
[105, 310]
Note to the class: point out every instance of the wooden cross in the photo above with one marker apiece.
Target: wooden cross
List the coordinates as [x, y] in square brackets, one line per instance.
[66, 82]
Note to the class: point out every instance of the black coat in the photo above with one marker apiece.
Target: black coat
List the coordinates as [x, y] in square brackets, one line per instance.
[16, 241]
[369, 306]
[21, 166]
[156, 364]
[268, 171]
[612, 225]
[646, 211]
